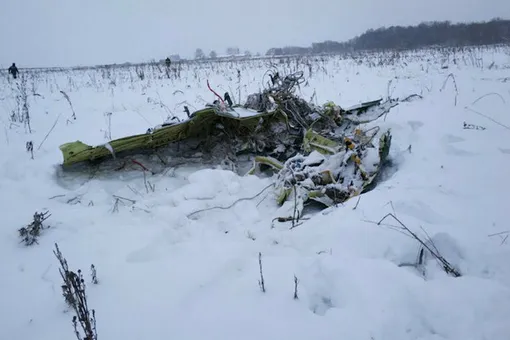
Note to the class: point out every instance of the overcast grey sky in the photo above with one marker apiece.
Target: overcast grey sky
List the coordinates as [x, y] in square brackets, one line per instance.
[83, 32]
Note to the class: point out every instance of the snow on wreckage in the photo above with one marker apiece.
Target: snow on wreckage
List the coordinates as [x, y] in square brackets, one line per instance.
[320, 153]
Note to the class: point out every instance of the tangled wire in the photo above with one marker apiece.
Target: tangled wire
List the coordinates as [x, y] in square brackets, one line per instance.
[285, 85]
[279, 93]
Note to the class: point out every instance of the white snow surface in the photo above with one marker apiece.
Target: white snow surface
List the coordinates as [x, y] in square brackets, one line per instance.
[165, 273]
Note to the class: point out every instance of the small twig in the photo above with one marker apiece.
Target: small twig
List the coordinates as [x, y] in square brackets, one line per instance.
[148, 185]
[262, 200]
[116, 206]
[70, 104]
[392, 207]
[388, 89]
[504, 240]
[261, 281]
[446, 265]
[491, 119]
[389, 226]
[231, 205]
[324, 252]
[295, 207]
[295, 225]
[454, 86]
[411, 96]
[296, 281]
[136, 192]
[295, 214]
[287, 219]
[30, 148]
[75, 200]
[142, 209]
[490, 94]
[125, 199]
[359, 198]
[6, 135]
[500, 233]
[93, 274]
[47, 135]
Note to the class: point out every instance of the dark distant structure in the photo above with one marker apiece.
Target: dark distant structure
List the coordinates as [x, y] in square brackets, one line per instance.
[437, 33]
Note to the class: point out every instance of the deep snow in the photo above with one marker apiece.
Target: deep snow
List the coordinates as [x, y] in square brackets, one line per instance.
[166, 274]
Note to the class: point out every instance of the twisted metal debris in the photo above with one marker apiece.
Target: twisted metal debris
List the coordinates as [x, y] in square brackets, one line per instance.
[321, 149]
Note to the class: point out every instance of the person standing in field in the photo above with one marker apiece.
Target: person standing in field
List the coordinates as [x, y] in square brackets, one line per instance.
[13, 70]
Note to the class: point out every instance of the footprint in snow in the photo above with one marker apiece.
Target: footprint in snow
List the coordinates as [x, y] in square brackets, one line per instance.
[320, 304]
[453, 139]
[419, 210]
[155, 250]
[148, 253]
[415, 124]
[450, 149]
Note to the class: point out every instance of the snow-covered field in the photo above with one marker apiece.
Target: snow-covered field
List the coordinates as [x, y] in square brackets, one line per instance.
[165, 273]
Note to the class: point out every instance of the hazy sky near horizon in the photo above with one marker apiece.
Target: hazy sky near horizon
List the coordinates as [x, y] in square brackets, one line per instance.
[84, 32]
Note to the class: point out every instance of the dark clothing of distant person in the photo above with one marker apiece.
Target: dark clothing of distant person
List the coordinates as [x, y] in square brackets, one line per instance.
[13, 70]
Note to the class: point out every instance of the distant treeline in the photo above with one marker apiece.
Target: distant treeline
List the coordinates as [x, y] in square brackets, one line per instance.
[444, 33]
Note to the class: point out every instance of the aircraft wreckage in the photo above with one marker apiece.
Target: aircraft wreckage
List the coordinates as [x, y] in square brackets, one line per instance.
[320, 151]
